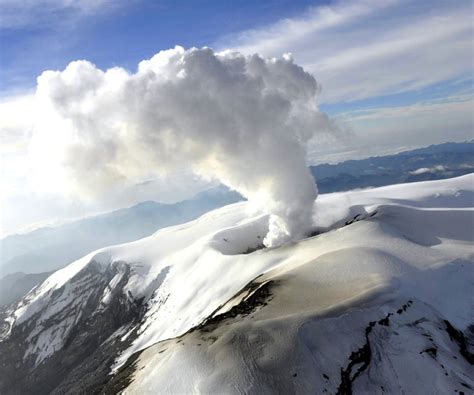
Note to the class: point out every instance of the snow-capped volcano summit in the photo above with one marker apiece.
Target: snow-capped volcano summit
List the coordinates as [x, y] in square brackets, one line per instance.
[379, 299]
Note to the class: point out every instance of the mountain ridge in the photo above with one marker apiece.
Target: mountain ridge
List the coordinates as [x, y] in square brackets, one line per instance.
[23, 252]
[189, 296]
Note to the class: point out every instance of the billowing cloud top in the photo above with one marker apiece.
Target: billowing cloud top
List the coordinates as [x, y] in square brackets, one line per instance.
[243, 120]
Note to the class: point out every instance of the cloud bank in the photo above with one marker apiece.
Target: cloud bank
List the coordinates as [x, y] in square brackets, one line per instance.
[242, 120]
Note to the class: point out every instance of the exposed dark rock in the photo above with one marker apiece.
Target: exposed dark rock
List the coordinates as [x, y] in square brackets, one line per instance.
[256, 293]
[385, 321]
[361, 357]
[355, 219]
[122, 378]
[249, 250]
[458, 337]
[432, 351]
[83, 363]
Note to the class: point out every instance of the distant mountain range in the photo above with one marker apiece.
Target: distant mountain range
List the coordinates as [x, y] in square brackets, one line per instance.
[431, 163]
[47, 249]
[50, 248]
[13, 286]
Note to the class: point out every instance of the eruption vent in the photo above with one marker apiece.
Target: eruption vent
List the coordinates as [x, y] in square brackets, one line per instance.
[243, 120]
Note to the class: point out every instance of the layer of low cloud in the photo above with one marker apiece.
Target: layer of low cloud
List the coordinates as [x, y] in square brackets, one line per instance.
[242, 120]
[424, 170]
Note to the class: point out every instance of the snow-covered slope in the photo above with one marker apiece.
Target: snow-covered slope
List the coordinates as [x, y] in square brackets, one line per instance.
[371, 302]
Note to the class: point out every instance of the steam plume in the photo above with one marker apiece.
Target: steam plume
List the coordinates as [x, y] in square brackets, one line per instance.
[243, 120]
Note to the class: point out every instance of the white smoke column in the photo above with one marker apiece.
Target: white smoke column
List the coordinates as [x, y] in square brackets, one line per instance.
[242, 120]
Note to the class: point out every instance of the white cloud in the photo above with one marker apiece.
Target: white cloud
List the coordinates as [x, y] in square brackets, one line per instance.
[456, 104]
[291, 33]
[23, 206]
[241, 120]
[359, 49]
[423, 170]
[17, 118]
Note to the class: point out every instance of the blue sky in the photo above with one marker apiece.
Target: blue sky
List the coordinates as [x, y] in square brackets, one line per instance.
[395, 74]
[48, 34]
[123, 34]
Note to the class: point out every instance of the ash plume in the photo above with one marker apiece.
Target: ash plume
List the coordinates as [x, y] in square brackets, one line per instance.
[242, 120]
